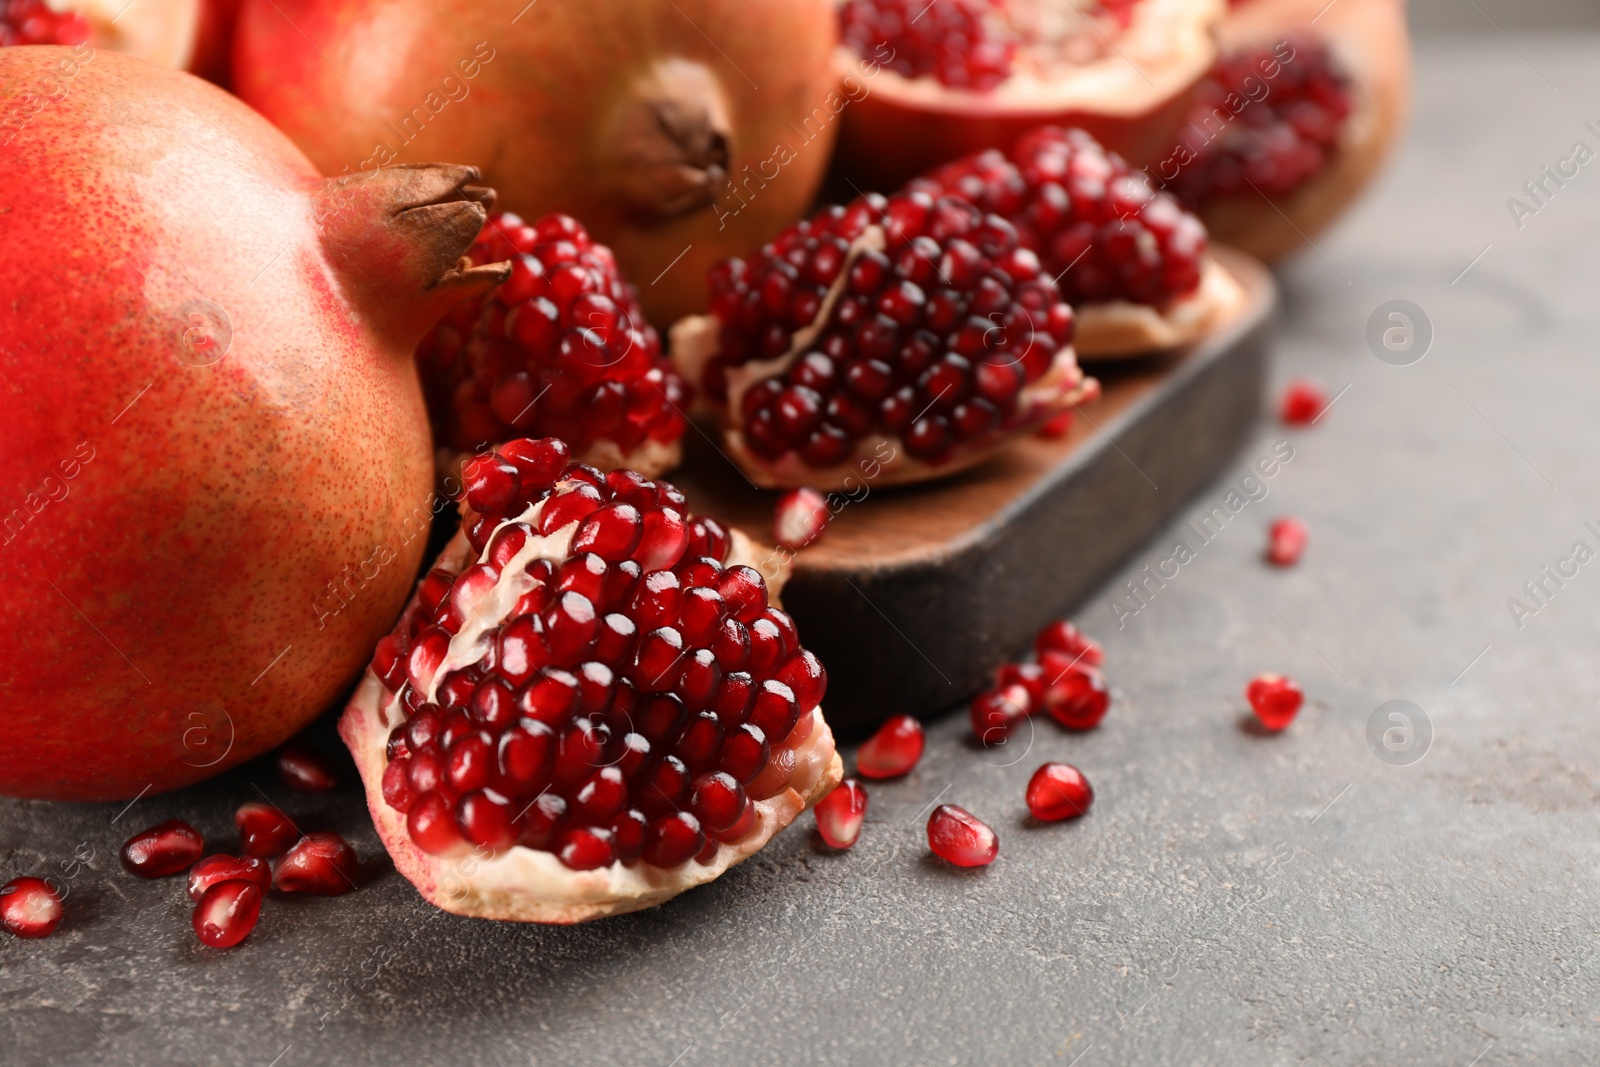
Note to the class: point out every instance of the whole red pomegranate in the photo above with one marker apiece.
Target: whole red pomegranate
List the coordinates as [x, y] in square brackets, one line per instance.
[678, 131]
[216, 468]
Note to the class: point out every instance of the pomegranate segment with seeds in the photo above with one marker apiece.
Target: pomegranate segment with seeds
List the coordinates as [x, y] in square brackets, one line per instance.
[959, 837]
[841, 813]
[322, 864]
[965, 44]
[227, 912]
[219, 868]
[800, 518]
[1286, 540]
[1059, 791]
[591, 704]
[893, 751]
[36, 22]
[30, 907]
[899, 339]
[164, 849]
[560, 349]
[1275, 699]
[1303, 402]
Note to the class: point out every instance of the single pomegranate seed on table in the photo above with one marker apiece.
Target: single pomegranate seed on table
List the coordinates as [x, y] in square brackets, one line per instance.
[1059, 791]
[893, 750]
[800, 518]
[1286, 540]
[1303, 402]
[1275, 699]
[35, 22]
[304, 769]
[264, 830]
[841, 813]
[959, 837]
[995, 712]
[322, 864]
[219, 868]
[1065, 639]
[1077, 696]
[164, 849]
[30, 907]
[227, 912]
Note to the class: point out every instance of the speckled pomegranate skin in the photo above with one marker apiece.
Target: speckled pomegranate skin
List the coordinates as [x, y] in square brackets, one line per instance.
[170, 524]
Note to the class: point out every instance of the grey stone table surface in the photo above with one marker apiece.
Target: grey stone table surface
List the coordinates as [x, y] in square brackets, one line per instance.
[1232, 898]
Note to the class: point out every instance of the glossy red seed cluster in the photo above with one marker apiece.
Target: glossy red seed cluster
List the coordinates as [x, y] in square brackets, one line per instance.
[1065, 682]
[1286, 540]
[632, 704]
[965, 44]
[1275, 699]
[1097, 224]
[33, 22]
[30, 907]
[931, 340]
[1274, 144]
[560, 349]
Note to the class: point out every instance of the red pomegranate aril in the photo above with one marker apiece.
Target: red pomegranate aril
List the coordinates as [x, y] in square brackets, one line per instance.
[841, 813]
[995, 712]
[628, 833]
[487, 819]
[959, 837]
[1303, 402]
[543, 820]
[1058, 791]
[893, 751]
[601, 797]
[219, 868]
[673, 839]
[322, 864]
[800, 518]
[30, 907]
[1275, 699]
[741, 827]
[745, 752]
[164, 849]
[227, 913]
[717, 800]
[1065, 639]
[264, 831]
[304, 769]
[432, 824]
[774, 777]
[586, 848]
[1077, 697]
[1030, 676]
[1286, 540]
[526, 757]
[962, 43]
[701, 740]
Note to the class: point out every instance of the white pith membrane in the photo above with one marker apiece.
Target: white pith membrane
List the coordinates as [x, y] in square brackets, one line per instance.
[1064, 62]
[876, 458]
[1120, 328]
[528, 885]
[160, 31]
[650, 458]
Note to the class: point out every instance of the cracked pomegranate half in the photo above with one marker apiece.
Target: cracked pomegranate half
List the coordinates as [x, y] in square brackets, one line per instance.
[897, 339]
[1129, 259]
[560, 349]
[1294, 121]
[591, 704]
[941, 81]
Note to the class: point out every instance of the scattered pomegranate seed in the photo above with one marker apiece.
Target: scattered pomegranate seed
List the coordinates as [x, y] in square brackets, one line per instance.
[1077, 697]
[219, 868]
[30, 907]
[1059, 791]
[800, 518]
[1059, 426]
[893, 750]
[1064, 638]
[264, 831]
[961, 838]
[1303, 401]
[996, 711]
[841, 813]
[1286, 540]
[1275, 699]
[162, 850]
[227, 913]
[322, 864]
[304, 769]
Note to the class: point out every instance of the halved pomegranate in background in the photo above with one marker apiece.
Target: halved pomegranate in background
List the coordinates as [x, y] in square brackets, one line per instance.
[164, 32]
[897, 339]
[560, 349]
[679, 131]
[1129, 259]
[948, 79]
[1294, 121]
[591, 704]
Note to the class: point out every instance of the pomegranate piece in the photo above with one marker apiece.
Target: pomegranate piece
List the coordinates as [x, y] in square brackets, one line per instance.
[893, 750]
[227, 912]
[35, 22]
[1285, 541]
[162, 850]
[590, 680]
[322, 864]
[1077, 696]
[264, 830]
[965, 44]
[219, 868]
[560, 350]
[1059, 791]
[30, 907]
[800, 518]
[1063, 638]
[841, 813]
[899, 338]
[304, 769]
[995, 712]
[1303, 402]
[1275, 699]
[959, 837]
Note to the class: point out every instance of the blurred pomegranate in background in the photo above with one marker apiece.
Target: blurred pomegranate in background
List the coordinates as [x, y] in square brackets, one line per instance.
[162, 31]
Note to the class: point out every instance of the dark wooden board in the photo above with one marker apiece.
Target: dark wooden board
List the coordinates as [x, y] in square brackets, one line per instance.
[915, 594]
